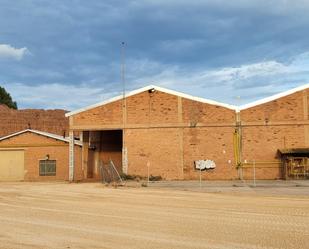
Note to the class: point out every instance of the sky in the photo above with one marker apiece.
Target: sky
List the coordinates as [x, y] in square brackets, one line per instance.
[67, 54]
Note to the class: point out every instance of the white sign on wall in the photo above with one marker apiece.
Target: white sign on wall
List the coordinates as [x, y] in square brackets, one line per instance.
[204, 164]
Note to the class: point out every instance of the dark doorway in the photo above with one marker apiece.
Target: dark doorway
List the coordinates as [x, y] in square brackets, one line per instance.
[111, 148]
[104, 146]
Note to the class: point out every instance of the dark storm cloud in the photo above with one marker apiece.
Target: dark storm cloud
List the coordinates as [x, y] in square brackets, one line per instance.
[210, 45]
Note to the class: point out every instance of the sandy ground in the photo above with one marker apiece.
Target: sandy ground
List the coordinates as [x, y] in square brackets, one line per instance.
[260, 187]
[89, 215]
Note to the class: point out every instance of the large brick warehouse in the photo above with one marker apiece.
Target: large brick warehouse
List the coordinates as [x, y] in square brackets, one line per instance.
[161, 132]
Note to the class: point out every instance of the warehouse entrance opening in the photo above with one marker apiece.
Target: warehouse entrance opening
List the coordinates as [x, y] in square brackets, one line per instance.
[111, 148]
[104, 146]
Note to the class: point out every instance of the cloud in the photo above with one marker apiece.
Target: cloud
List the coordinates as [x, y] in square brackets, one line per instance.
[210, 48]
[244, 72]
[180, 45]
[9, 52]
[249, 81]
[232, 85]
[226, 75]
[57, 95]
[277, 6]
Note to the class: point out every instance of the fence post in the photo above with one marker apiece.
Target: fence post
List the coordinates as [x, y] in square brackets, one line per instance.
[200, 177]
[254, 183]
[148, 165]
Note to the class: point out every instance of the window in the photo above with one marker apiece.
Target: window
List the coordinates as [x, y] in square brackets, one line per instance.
[47, 167]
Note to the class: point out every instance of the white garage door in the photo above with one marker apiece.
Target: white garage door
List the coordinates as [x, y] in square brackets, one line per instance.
[11, 165]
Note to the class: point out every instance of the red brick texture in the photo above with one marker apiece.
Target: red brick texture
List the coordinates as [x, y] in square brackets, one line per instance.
[36, 147]
[53, 121]
[169, 133]
[215, 143]
[107, 114]
[158, 146]
[282, 123]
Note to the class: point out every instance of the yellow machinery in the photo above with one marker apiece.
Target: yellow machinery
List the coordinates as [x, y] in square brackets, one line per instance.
[295, 163]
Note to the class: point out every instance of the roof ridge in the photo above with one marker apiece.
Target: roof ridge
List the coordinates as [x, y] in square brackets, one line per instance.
[148, 87]
[273, 97]
[42, 133]
[187, 96]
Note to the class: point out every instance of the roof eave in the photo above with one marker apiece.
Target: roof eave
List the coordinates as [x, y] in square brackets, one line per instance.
[187, 96]
[273, 97]
[146, 88]
[42, 133]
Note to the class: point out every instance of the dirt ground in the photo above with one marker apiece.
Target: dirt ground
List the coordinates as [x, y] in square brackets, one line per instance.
[89, 215]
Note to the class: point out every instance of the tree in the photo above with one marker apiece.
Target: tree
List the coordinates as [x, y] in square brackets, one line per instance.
[6, 99]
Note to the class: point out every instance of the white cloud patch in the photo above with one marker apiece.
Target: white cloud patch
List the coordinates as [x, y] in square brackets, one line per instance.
[244, 72]
[9, 52]
[56, 96]
[232, 85]
[250, 82]
[228, 75]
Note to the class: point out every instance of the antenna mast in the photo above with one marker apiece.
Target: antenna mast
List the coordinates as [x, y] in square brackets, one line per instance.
[123, 81]
[124, 110]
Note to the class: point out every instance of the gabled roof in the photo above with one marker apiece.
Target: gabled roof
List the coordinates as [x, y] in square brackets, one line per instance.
[42, 133]
[187, 96]
[146, 88]
[273, 97]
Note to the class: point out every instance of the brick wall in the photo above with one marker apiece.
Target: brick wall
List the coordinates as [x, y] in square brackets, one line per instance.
[169, 133]
[271, 126]
[214, 143]
[156, 109]
[152, 108]
[108, 114]
[53, 121]
[197, 112]
[288, 108]
[36, 147]
[158, 146]
[171, 152]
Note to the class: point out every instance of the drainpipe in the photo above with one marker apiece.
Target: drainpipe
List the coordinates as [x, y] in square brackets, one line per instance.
[238, 145]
